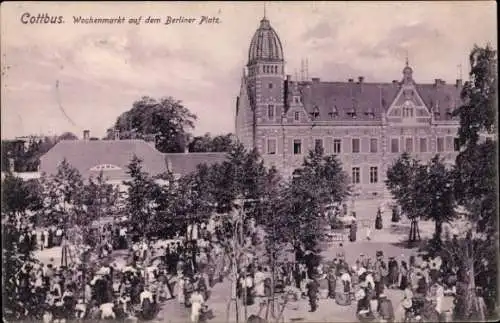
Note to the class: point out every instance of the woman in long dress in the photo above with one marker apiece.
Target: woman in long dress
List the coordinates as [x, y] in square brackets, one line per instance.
[197, 302]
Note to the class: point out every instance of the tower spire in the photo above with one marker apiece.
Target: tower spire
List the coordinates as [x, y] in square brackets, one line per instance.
[406, 60]
[264, 10]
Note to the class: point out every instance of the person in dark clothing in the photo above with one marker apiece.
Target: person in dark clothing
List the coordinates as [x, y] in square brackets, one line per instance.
[385, 309]
[312, 293]
[352, 231]
[404, 275]
[378, 220]
[393, 273]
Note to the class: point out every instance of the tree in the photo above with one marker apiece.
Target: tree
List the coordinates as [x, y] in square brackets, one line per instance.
[403, 183]
[475, 172]
[166, 119]
[479, 94]
[63, 197]
[437, 196]
[297, 212]
[207, 143]
[15, 301]
[67, 136]
[100, 197]
[140, 201]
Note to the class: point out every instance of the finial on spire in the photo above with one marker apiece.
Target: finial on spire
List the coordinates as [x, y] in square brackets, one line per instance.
[407, 63]
[264, 10]
[459, 71]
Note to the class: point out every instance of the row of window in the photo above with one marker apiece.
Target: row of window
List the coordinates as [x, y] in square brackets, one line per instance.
[270, 69]
[356, 175]
[448, 143]
[452, 144]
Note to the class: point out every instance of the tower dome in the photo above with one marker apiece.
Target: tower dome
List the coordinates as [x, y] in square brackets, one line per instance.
[265, 44]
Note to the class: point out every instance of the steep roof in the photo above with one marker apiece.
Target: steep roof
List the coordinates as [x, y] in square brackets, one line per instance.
[366, 98]
[85, 155]
[183, 164]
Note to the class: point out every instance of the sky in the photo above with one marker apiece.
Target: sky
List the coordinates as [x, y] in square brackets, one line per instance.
[71, 77]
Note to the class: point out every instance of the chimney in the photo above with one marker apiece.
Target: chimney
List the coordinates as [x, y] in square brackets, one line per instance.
[86, 134]
[394, 82]
[288, 78]
[361, 79]
[437, 82]
[315, 79]
[117, 134]
[458, 83]
[350, 80]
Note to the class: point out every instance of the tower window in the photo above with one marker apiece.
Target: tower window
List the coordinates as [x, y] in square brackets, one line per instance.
[440, 144]
[423, 145]
[449, 143]
[409, 145]
[271, 146]
[337, 146]
[318, 143]
[297, 147]
[356, 178]
[394, 145]
[270, 85]
[456, 144]
[373, 145]
[296, 116]
[373, 175]
[270, 111]
[355, 145]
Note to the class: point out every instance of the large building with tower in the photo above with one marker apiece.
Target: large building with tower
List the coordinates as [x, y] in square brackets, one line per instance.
[367, 125]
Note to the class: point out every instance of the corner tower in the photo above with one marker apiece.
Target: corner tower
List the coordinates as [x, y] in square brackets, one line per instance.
[265, 75]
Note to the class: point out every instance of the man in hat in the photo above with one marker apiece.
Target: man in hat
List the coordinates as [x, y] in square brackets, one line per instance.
[385, 308]
[380, 273]
[312, 292]
[393, 272]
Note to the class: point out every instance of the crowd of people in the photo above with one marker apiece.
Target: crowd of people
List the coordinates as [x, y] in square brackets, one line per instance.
[185, 268]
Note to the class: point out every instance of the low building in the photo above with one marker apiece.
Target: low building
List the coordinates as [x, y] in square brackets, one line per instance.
[112, 157]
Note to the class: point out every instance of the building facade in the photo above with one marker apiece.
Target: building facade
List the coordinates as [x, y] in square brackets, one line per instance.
[367, 125]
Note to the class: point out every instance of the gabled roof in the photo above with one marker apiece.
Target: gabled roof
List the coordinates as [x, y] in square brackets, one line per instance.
[84, 155]
[366, 98]
[185, 163]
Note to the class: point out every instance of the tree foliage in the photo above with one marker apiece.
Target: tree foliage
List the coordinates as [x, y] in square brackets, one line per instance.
[479, 111]
[63, 197]
[141, 193]
[19, 196]
[423, 191]
[207, 143]
[167, 119]
[100, 198]
[476, 171]
[294, 214]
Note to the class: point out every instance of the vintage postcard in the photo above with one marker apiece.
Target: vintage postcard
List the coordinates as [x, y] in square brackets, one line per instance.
[249, 161]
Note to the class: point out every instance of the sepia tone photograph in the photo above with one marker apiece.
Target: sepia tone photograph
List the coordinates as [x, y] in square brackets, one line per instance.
[249, 162]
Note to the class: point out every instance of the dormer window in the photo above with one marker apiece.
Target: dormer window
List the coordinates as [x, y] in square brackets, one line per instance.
[315, 112]
[370, 113]
[334, 113]
[436, 112]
